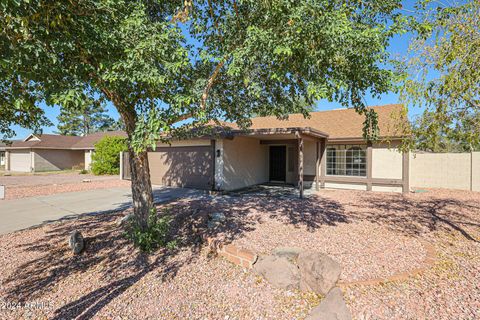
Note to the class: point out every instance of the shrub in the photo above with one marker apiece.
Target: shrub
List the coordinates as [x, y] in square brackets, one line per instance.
[157, 234]
[106, 158]
[83, 171]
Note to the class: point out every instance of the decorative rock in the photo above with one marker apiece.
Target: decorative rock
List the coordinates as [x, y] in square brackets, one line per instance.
[76, 242]
[288, 252]
[215, 219]
[278, 271]
[123, 220]
[332, 307]
[318, 272]
[87, 180]
[217, 216]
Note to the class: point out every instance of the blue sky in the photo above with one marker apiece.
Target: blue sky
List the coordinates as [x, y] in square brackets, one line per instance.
[398, 46]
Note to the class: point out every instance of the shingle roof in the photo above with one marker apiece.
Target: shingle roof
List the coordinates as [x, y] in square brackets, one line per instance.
[89, 141]
[48, 141]
[339, 124]
[55, 141]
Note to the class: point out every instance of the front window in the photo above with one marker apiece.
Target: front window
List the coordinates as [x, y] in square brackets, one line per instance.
[346, 160]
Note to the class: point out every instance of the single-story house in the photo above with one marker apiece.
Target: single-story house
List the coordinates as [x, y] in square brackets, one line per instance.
[326, 150]
[50, 152]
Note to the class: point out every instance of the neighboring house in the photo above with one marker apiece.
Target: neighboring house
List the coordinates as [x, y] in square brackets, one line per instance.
[50, 152]
[325, 150]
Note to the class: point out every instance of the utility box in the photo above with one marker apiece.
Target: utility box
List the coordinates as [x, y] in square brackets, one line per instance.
[2, 192]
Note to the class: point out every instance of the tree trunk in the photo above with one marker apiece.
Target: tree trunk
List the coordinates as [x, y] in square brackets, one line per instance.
[142, 195]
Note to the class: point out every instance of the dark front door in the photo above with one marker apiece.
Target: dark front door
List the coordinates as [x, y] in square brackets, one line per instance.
[278, 163]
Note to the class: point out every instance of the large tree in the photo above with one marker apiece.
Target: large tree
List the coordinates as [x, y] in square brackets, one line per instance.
[244, 57]
[442, 75]
[87, 117]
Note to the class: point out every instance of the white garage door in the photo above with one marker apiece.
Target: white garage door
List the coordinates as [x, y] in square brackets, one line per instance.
[20, 160]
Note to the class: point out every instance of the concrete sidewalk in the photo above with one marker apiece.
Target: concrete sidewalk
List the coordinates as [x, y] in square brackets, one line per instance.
[27, 212]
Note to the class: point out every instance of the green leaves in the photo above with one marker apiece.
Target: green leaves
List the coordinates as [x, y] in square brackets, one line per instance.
[242, 59]
[106, 159]
[280, 52]
[157, 235]
[442, 75]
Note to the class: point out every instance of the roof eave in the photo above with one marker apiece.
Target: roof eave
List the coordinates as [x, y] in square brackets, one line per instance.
[272, 131]
[341, 139]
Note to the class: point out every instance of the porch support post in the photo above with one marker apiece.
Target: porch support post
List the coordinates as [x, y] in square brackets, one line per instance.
[406, 172]
[300, 165]
[317, 167]
[369, 166]
[214, 160]
[121, 165]
[323, 164]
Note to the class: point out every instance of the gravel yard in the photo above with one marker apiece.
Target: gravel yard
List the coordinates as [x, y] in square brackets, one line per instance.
[21, 186]
[370, 234]
[39, 179]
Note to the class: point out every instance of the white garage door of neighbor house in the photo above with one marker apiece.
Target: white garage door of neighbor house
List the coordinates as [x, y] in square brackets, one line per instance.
[20, 161]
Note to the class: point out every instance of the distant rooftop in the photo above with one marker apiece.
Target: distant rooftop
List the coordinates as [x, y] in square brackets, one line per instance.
[55, 141]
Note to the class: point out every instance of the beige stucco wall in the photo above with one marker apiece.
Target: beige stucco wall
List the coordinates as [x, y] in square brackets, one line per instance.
[186, 143]
[386, 163]
[440, 170]
[309, 157]
[245, 163]
[51, 160]
[476, 171]
[88, 159]
[349, 186]
[387, 189]
[292, 158]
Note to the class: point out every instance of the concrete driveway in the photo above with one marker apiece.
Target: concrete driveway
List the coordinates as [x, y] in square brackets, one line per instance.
[27, 212]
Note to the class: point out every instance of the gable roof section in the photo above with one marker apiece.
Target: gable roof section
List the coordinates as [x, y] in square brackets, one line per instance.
[338, 124]
[55, 141]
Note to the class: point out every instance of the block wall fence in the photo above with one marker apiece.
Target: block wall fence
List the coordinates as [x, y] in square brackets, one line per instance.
[445, 170]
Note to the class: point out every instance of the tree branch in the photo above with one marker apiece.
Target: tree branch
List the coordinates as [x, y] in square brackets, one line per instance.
[206, 90]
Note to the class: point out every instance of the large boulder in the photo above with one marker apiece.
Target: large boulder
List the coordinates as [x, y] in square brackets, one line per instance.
[278, 271]
[287, 252]
[332, 307]
[76, 242]
[318, 272]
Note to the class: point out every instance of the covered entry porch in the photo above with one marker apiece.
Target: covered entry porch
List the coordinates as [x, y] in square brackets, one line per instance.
[285, 156]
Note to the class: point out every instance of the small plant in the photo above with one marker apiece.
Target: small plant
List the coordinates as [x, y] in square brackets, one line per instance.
[83, 171]
[155, 236]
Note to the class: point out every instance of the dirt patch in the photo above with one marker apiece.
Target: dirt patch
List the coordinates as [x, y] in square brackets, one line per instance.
[44, 179]
[18, 192]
